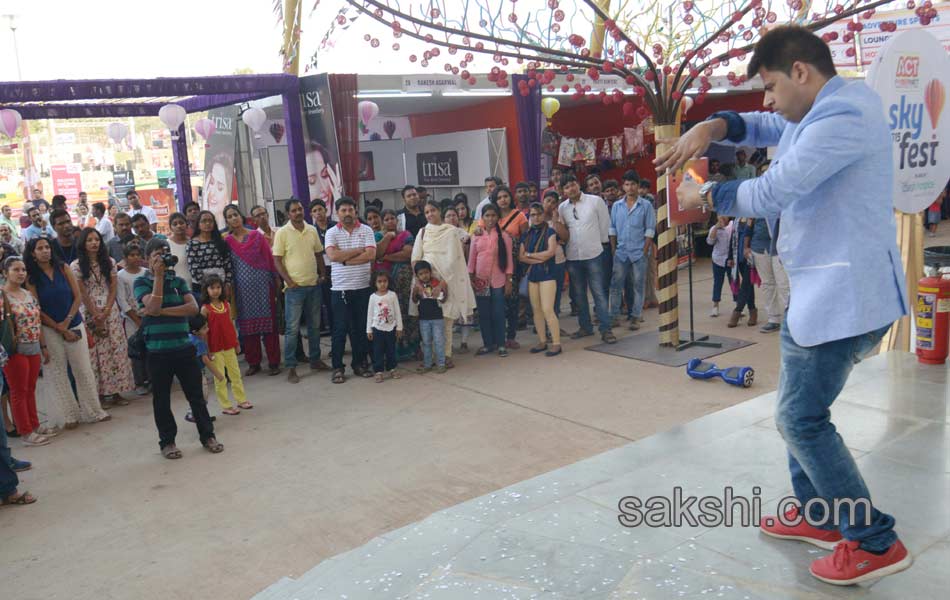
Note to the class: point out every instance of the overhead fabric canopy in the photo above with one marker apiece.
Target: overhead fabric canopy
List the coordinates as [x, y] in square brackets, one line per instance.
[108, 98]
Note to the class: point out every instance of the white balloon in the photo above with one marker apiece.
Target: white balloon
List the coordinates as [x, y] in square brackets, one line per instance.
[172, 115]
[254, 118]
[117, 131]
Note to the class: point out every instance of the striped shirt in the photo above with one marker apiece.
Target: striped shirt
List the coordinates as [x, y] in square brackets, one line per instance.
[350, 277]
[164, 334]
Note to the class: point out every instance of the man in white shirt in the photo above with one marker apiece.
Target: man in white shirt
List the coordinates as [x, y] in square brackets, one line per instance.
[588, 222]
[491, 183]
[136, 207]
[103, 222]
[351, 247]
[743, 169]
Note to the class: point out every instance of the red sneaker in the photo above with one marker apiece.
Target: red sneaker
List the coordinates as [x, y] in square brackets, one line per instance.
[826, 539]
[849, 564]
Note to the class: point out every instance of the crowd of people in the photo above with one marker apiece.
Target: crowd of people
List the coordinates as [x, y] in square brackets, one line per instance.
[106, 308]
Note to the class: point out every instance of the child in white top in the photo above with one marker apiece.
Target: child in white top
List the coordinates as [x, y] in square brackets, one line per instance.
[383, 326]
[718, 238]
[131, 315]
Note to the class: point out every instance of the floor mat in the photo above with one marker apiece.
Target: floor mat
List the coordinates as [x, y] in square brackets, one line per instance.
[646, 346]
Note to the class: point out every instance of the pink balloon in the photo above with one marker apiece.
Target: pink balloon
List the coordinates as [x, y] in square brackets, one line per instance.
[205, 128]
[9, 121]
[368, 110]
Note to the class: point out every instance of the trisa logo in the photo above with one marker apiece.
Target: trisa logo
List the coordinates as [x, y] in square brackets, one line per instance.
[311, 102]
[908, 72]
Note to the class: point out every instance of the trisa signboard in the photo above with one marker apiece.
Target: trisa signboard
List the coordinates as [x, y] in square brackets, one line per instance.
[912, 75]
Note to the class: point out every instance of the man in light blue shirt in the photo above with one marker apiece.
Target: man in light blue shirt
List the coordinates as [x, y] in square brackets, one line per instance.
[830, 182]
[39, 226]
[632, 224]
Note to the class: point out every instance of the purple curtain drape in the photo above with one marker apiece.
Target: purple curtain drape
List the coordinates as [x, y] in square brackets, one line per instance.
[528, 112]
[293, 122]
[182, 167]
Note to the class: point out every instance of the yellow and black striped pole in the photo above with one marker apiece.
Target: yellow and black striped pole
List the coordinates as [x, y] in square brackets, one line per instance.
[667, 253]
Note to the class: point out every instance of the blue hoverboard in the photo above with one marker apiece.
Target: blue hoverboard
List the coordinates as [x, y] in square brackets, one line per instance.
[737, 376]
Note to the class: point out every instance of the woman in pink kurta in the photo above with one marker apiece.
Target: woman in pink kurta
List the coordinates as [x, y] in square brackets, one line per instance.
[490, 266]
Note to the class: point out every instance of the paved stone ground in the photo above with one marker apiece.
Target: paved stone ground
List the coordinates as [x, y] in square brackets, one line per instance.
[557, 536]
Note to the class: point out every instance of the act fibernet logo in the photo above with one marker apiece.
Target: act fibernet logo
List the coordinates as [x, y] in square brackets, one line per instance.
[908, 72]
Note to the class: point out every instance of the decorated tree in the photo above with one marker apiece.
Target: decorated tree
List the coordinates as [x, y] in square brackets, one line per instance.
[666, 53]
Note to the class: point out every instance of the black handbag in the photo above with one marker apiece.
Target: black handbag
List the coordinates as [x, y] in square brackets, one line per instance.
[8, 329]
[136, 345]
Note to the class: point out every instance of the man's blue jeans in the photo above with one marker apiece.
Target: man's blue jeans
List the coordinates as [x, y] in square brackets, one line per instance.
[491, 318]
[628, 280]
[433, 341]
[821, 465]
[299, 301]
[590, 274]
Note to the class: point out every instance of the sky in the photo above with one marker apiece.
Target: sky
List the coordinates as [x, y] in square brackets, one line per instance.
[80, 39]
[141, 38]
[60, 39]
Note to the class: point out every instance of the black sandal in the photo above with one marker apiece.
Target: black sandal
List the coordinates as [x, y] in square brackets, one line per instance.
[171, 452]
[338, 376]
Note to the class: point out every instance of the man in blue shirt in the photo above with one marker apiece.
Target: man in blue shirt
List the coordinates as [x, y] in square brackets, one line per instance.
[833, 148]
[632, 223]
[38, 228]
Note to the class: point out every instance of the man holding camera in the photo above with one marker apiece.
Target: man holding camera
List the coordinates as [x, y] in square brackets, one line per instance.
[168, 303]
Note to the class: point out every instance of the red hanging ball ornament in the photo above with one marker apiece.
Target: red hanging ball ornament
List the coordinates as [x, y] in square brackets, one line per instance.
[341, 20]
[412, 58]
[513, 18]
[525, 92]
[435, 52]
[434, 13]
[648, 75]
[479, 46]
[367, 37]
[565, 88]
[396, 46]
[374, 43]
[472, 80]
[552, 4]
[569, 77]
[559, 15]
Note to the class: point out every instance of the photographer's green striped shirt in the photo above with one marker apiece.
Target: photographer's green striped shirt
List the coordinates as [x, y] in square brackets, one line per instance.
[164, 334]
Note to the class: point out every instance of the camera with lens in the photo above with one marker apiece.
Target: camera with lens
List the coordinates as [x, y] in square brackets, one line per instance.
[170, 261]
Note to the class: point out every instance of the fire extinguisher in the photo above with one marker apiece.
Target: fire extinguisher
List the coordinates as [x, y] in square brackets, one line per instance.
[933, 319]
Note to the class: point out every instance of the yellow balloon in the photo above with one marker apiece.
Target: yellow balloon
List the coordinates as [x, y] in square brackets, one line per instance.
[549, 106]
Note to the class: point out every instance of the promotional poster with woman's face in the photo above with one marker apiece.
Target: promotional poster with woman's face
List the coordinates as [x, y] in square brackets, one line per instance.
[219, 162]
[324, 176]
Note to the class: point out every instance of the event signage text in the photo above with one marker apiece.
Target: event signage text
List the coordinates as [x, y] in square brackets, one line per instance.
[67, 180]
[911, 75]
[430, 83]
[438, 168]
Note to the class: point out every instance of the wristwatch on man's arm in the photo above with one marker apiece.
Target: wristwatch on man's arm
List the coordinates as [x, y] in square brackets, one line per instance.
[705, 192]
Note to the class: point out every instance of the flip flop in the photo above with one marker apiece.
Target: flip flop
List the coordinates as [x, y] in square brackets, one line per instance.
[21, 499]
[171, 452]
[231, 411]
[245, 406]
[213, 446]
